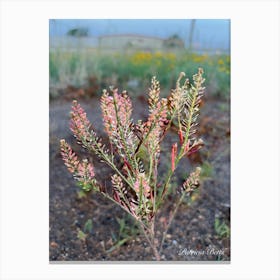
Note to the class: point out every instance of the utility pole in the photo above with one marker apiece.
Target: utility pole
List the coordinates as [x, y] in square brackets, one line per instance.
[192, 26]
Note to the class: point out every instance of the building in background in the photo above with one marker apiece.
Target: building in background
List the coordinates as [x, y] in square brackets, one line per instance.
[117, 42]
[130, 41]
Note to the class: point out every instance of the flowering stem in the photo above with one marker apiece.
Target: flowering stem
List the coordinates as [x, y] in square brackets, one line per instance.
[182, 149]
[129, 154]
[191, 112]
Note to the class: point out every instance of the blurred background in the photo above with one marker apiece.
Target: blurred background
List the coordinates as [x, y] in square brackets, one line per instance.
[90, 54]
[86, 56]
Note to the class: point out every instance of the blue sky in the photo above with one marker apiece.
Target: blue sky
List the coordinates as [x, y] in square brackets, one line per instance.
[208, 33]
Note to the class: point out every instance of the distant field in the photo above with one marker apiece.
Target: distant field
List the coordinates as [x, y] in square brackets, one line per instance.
[130, 68]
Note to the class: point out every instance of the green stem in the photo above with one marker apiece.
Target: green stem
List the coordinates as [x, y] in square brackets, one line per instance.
[150, 169]
[155, 187]
[126, 210]
[112, 165]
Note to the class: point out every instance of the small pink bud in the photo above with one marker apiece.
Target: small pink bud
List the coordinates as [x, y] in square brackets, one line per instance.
[173, 156]
[181, 137]
[194, 148]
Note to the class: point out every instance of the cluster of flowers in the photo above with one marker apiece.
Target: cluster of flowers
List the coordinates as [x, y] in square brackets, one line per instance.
[136, 187]
[82, 171]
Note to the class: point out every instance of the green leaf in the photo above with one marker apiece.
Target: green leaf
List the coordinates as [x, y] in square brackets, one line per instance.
[221, 228]
[88, 226]
[206, 170]
[81, 235]
[122, 226]
[85, 186]
[81, 194]
[119, 244]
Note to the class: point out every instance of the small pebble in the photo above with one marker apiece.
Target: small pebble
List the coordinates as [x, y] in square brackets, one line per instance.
[174, 242]
[54, 244]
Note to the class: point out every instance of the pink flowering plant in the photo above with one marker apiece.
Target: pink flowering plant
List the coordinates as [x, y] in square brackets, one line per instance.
[136, 187]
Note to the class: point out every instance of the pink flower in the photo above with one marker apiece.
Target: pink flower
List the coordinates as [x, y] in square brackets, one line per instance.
[155, 125]
[141, 183]
[85, 170]
[114, 108]
[69, 157]
[82, 171]
[192, 182]
[79, 123]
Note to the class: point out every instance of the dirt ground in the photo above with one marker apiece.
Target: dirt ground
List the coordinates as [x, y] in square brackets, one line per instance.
[193, 229]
